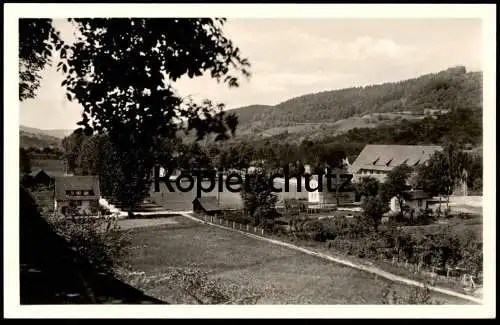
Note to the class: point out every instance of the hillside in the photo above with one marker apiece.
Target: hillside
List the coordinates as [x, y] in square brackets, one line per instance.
[56, 133]
[338, 111]
[38, 138]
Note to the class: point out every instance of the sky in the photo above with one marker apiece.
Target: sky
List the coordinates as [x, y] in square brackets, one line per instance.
[293, 57]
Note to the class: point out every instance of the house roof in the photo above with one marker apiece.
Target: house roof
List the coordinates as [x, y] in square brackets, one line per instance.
[37, 171]
[208, 203]
[76, 183]
[416, 195]
[386, 157]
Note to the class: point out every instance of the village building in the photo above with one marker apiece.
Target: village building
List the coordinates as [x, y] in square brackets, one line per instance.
[76, 195]
[37, 177]
[416, 201]
[340, 192]
[378, 160]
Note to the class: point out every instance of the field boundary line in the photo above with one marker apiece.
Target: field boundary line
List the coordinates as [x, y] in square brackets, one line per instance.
[369, 269]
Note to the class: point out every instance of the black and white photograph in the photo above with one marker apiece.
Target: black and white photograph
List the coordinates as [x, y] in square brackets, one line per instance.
[264, 156]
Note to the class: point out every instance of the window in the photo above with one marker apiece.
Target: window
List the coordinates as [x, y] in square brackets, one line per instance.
[68, 193]
[91, 192]
[78, 193]
[85, 192]
[79, 202]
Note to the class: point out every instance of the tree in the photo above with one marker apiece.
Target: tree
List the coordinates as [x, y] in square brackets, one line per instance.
[373, 209]
[121, 71]
[368, 186]
[396, 185]
[37, 39]
[72, 145]
[24, 161]
[258, 198]
[442, 171]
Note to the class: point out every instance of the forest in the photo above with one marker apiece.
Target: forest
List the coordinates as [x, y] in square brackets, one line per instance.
[446, 90]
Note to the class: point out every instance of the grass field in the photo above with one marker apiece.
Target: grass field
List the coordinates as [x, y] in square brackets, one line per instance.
[282, 275]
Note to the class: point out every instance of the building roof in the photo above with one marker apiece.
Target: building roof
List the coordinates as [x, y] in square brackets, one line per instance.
[37, 171]
[208, 203]
[76, 183]
[386, 157]
[416, 195]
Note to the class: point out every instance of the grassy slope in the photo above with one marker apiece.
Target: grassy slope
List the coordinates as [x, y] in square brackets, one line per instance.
[285, 276]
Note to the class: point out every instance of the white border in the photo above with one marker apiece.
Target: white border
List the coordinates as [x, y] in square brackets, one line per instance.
[486, 12]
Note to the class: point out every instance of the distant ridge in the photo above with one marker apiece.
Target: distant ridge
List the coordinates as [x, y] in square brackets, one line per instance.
[445, 90]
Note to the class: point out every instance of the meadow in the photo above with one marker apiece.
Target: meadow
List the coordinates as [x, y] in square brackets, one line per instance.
[281, 275]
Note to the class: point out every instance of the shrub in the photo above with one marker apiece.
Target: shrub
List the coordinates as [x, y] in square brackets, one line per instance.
[416, 296]
[192, 286]
[99, 240]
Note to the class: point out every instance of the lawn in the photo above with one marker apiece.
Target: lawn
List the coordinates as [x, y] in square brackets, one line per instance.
[282, 275]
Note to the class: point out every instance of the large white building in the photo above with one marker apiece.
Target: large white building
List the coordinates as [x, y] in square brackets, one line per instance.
[378, 160]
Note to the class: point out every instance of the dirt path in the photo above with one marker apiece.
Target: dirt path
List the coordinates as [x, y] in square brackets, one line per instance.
[369, 269]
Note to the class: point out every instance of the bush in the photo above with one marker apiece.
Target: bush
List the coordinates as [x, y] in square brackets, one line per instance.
[236, 216]
[192, 286]
[99, 240]
[416, 296]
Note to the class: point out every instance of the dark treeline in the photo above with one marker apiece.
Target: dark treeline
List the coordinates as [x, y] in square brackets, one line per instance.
[461, 126]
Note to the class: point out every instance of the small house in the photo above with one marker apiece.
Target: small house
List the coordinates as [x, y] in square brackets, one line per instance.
[338, 190]
[206, 205]
[40, 176]
[417, 201]
[76, 195]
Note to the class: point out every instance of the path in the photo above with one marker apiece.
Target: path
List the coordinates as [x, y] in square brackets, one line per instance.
[369, 269]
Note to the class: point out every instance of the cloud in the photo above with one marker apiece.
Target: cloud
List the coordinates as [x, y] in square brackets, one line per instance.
[292, 57]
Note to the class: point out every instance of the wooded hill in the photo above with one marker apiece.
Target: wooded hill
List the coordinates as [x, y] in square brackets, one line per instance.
[338, 111]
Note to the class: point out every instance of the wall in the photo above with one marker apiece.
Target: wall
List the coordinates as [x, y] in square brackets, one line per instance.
[413, 204]
[357, 176]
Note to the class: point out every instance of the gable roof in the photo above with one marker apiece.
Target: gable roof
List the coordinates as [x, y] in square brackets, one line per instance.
[208, 203]
[386, 157]
[37, 172]
[76, 183]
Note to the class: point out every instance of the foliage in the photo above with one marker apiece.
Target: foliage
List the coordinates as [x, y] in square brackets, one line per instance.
[396, 184]
[99, 240]
[193, 286]
[444, 169]
[416, 296]
[258, 198]
[24, 161]
[121, 71]
[446, 90]
[37, 39]
[110, 53]
[368, 186]
[373, 209]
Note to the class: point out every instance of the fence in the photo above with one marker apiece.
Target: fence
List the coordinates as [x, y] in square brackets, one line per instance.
[463, 279]
[218, 220]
